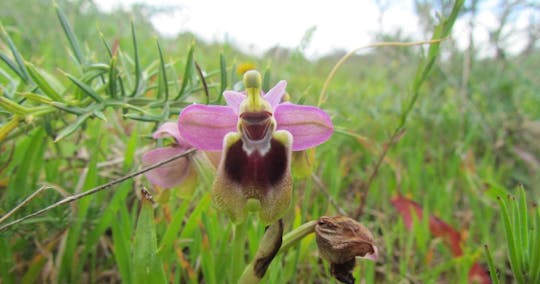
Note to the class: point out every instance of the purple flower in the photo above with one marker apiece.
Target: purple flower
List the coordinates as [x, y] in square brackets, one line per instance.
[257, 134]
[175, 172]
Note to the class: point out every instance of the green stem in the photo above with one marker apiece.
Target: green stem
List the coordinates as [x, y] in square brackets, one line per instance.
[290, 239]
[237, 256]
[294, 236]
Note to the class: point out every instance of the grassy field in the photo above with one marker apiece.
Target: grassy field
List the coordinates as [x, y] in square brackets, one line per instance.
[82, 92]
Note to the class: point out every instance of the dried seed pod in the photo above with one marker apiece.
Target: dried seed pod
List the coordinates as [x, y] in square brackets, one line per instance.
[340, 240]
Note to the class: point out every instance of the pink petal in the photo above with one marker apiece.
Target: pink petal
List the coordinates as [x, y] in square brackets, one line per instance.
[309, 126]
[168, 129]
[170, 174]
[372, 256]
[234, 99]
[204, 126]
[276, 93]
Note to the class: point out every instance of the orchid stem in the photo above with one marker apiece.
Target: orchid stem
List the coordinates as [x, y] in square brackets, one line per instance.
[238, 250]
[296, 235]
[271, 245]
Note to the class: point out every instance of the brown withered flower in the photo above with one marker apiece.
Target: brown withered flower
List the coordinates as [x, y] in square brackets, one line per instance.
[340, 240]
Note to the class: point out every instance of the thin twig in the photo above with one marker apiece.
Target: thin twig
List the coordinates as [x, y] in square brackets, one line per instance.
[24, 202]
[322, 96]
[331, 199]
[395, 137]
[96, 189]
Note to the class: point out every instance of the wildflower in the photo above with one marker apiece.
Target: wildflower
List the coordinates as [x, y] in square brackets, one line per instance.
[257, 134]
[175, 172]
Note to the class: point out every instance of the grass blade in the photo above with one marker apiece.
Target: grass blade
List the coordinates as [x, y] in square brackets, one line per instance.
[266, 79]
[188, 72]
[523, 228]
[223, 75]
[13, 66]
[510, 238]
[85, 88]
[18, 57]
[9, 126]
[138, 74]
[534, 267]
[13, 107]
[113, 74]
[147, 267]
[491, 266]
[163, 72]
[203, 81]
[68, 31]
[43, 83]
[72, 127]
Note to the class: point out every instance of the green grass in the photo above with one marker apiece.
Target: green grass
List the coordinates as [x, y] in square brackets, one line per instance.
[79, 118]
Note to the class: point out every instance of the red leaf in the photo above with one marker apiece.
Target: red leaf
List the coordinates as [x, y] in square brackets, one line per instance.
[479, 275]
[440, 229]
[437, 226]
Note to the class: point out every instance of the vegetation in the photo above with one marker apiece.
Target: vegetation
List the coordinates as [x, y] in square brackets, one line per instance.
[81, 93]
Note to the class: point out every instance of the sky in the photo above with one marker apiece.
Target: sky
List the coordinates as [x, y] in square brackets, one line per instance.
[255, 26]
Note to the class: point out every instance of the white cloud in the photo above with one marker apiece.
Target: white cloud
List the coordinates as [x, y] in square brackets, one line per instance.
[258, 25]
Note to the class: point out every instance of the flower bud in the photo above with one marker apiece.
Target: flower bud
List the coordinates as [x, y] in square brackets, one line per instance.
[340, 239]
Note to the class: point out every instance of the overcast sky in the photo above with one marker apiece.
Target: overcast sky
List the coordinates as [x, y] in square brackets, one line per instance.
[256, 26]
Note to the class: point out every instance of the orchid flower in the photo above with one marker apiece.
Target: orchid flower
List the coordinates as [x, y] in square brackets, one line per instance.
[175, 172]
[257, 134]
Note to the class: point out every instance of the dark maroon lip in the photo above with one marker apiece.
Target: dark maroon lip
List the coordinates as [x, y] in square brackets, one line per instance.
[256, 124]
[261, 171]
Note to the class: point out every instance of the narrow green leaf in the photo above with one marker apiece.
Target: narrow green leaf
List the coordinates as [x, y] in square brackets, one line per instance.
[18, 57]
[442, 30]
[106, 44]
[534, 268]
[99, 114]
[147, 265]
[203, 81]
[491, 266]
[163, 73]
[70, 109]
[523, 228]
[72, 127]
[223, 75]
[113, 74]
[13, 66]
[195, 217]
[86, 88]
[122, 248]
[141, 101]
[131, 147]
[266, 79]
[13, 107]
[188, 72]
[43, 83]
[138, 73]
[125, 105]
[146, 118]
[173, 228]
[510, 239]
[9, 126]
[495, 190]
[37, 98]
[68, 31]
